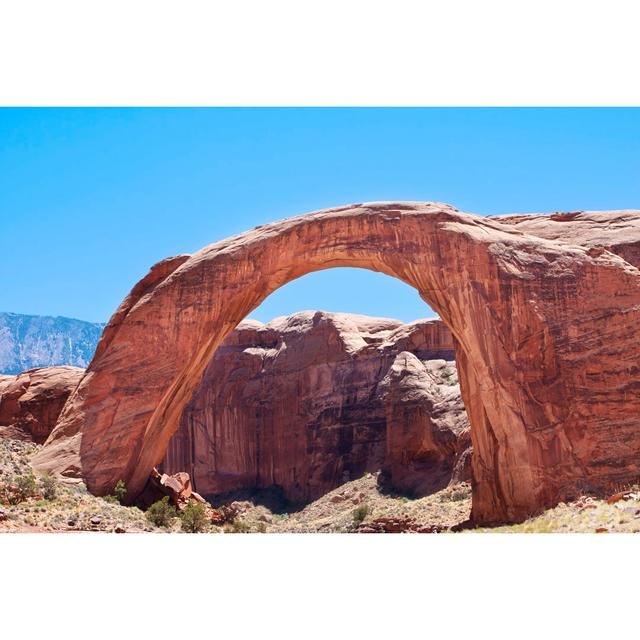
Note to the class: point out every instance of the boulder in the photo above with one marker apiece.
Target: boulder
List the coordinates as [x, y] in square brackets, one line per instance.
[178, 488]
[31, 402]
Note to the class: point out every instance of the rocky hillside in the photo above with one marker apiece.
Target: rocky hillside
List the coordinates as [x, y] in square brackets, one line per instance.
[44, 505]
[27, 342]
[360, 506]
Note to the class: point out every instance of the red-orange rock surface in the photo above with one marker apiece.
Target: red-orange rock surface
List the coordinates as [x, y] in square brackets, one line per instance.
[309, 401]
[545, 318]
[428, 435]
[615, 231]
[31, 402]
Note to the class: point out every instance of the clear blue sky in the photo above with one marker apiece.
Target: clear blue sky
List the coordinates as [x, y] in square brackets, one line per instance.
[91, 198]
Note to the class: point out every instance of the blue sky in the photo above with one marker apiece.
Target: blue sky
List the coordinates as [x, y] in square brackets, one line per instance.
[91, 198]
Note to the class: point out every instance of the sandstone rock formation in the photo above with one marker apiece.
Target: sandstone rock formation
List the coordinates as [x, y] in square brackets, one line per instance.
[615, 231]
[31, 402]
[428, 435]
[309, 401]
[545, 319]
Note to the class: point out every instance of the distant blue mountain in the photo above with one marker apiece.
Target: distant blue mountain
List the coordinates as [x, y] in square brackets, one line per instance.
[27, 342]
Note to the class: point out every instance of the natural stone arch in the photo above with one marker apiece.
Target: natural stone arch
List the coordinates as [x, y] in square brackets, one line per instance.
[524, 311]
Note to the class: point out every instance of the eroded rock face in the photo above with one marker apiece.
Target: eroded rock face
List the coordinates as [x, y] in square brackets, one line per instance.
[307, 402]
[31, 402]
[428, 435]
[545, 323]
[615, 231]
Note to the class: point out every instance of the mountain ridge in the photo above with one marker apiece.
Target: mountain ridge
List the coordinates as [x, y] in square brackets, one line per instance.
[31, 341]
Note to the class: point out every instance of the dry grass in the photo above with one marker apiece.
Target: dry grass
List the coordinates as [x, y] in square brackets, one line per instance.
[587, 515]
[72, 508]
[359, 502]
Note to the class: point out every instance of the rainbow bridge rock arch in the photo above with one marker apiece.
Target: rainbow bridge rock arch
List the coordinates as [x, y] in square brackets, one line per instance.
[544, 309]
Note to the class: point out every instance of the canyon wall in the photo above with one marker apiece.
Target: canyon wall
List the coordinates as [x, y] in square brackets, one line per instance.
[309, 401]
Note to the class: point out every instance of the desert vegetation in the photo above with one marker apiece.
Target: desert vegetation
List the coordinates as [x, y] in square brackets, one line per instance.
[31, 502]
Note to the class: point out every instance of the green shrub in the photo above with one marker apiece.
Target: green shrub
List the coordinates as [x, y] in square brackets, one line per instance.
[460, 494]
[161, 513]
[49, 486]
[111, 499]
[360, 513]
[237, 526]
[193, 517]
[120, 491]
[24, 487]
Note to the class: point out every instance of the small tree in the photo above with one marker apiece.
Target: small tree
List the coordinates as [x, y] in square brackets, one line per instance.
[161, 513]
[5, 493]
[24, 487]
[193, 517]
[120, 491]
[49, 486]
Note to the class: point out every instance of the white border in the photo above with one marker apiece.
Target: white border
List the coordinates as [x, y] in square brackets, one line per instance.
[320, 586]
[335, 52]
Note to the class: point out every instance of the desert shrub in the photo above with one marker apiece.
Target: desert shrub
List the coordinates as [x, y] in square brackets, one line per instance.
[24, 487]
[360, 513]
[459, 492]
[193, 518]
[161, 513]
[81, 488]
[238, 526]
[261, 528]
[49, 486]
[120, 491]
[111, 499]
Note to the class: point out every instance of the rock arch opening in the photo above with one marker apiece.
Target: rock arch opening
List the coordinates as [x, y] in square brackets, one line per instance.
[290, 409]
[523, 296]
[345, 290]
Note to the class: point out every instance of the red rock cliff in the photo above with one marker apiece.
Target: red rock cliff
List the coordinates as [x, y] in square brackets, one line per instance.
[309, 401]
[31, 402]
